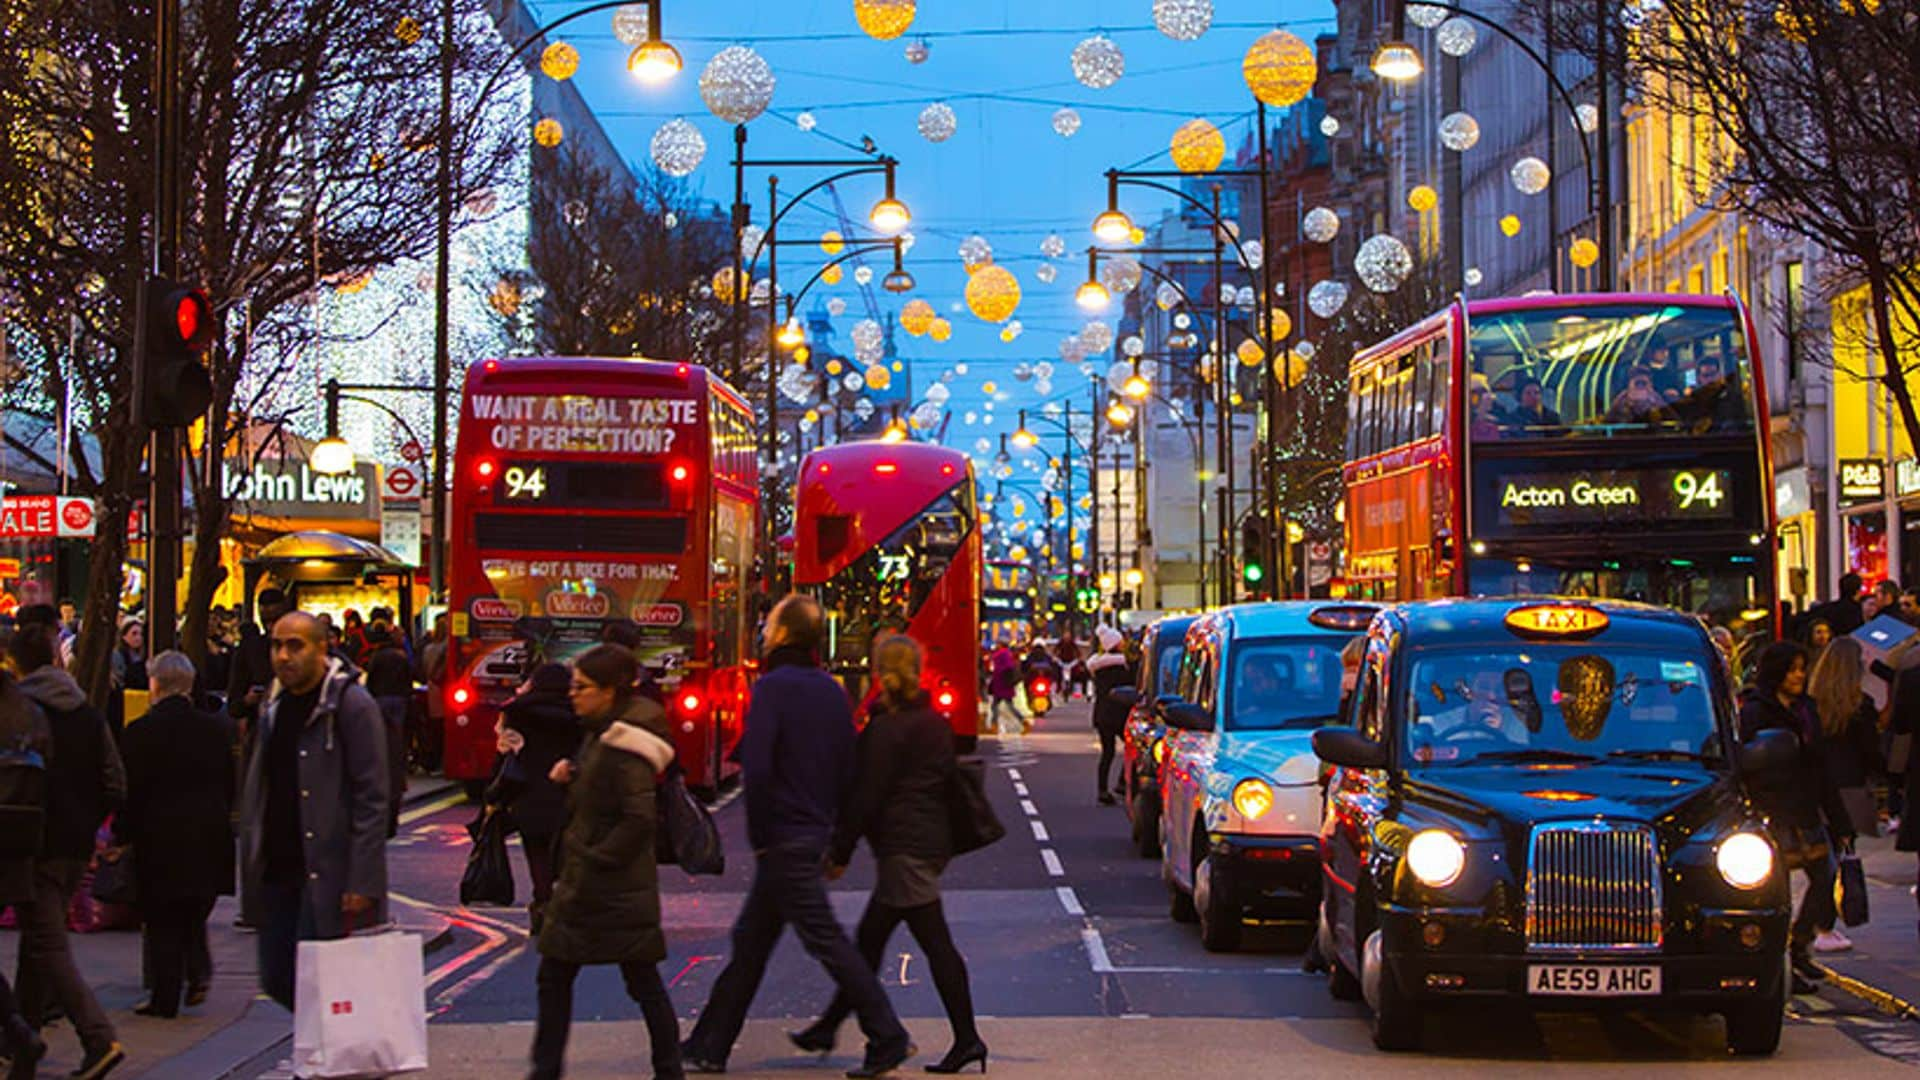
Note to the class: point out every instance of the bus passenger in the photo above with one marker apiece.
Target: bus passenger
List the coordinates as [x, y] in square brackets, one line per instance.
[1714, 403]
[1533, 416]
[1485, 412]
[1640, 403]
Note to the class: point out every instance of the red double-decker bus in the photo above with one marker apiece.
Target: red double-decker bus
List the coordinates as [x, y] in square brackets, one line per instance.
[887, 537]
[1609, 445]
[591, 492]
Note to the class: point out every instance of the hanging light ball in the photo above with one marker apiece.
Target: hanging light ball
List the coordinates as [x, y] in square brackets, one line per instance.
[1022, 372]
[1326, 298]
[993, 293]
[1121, 276]
[941, 330]
[1066, 121]
[832, 274]
[1456, 37]
[1250, 353]
[762, 290]
[1279, 324]
[559, 61]
[1183, 20]
[836, 306]
[574, 213]
[1459, 131]
[1098, 63]
[677, 147]
[854, 382]
[723, 285]
[1472, 276]
[1243, 297]
[834, 367]
[1589, 116]
[937, 122]
[805, 121]
[937, 394]
[1198, 147]
[407, 30]
[1280, 68]
[1132, 345]
[630, 24]
[1255, 252]
[867, 334]
[878, 377]
[1530, 175]
[975, 252]
[1510, 224]
[1321, 225]
[1426, 16]
[737, 84]
[832, 242]
[917, 316]
[1329, 126]
[1165, 296]
[1291, 369]
[862, 410]
[548, 132]
[1053, 246]
[1383, 262]
[1138, 236]
[1011, 330]
[1045, 273]
[750, 237]
[1423, 198]
[1097, 336]
[1583, 253]
[863, 275]
[1072, 349]
[917, 51]
[883, 20]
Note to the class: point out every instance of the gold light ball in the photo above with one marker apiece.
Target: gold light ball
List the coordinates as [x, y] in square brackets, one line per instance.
[1423, 198]
[834, 367]
[1198, 147]
[989, 388]
[548, 132]
[1137, 236]
[1279, 325]
[505, 297]
[941, 329]
[884, 20]
[1280, 68]
[916, 318]
[559, 61]
[1510, 225]
[832, 242]
[878, 377]
[832, 274]
[1583, 253]
[1290, 369]
[723, 287]
[993, 294]
[407, 30]
[1250, 353]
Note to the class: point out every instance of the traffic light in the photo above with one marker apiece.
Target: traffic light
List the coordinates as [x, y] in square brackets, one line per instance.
[171, 385]
[1253, 550]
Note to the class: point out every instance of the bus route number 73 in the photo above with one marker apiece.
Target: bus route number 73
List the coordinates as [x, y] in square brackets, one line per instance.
[895, 567]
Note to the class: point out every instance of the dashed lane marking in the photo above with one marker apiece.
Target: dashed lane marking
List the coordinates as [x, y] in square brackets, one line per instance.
[1027, 808]
[1069, 900]
[1019, 789]
[1053, 862]
[1013, 774]
[1039, 830]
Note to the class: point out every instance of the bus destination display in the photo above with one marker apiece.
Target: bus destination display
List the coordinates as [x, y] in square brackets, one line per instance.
[1582, 496]
[583, 485]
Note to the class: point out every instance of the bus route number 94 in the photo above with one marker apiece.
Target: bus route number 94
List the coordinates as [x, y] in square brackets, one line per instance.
[1701, 488]
[525, 483]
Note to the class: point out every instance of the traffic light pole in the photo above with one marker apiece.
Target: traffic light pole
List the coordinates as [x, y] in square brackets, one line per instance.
[163, 448]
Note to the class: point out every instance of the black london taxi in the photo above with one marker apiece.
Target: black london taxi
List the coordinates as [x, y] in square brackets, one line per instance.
[1143, 742]
[1545, 802]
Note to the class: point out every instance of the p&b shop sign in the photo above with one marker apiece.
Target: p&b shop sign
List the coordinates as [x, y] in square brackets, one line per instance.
[289, 488]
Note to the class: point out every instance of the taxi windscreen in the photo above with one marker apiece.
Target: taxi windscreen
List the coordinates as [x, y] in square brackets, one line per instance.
[1552, 702]
[1278, 684]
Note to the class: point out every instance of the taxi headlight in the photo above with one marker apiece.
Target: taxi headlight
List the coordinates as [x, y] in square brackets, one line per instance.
[1159, 751]
[1253, 798]
[1436, 858]
[1745, 859]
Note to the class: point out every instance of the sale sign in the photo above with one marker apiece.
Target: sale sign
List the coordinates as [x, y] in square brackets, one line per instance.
[37, 517]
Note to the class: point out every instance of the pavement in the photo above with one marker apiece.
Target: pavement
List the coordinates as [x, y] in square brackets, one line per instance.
[236, 1026]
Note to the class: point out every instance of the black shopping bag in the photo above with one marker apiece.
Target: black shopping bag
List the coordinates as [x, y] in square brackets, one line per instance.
[688, 836]
[1853, 890]
[489, 876]
[971, 822]
[113, 881]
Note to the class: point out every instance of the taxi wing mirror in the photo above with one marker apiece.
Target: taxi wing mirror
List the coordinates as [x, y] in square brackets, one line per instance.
[1189, 717]
[1124, 696]
[1771, 751]
[1349, 749]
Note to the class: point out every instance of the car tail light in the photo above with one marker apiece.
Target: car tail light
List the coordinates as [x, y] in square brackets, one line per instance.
[462, 695]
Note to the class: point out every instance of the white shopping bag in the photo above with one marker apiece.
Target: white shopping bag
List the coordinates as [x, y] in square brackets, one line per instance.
[360, 1007]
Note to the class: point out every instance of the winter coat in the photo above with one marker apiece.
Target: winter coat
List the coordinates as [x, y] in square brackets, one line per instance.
[86, 780]
[606, 893]
[1110, 670]
[179, 808]
[389, 672]
[1852, 756]
[899, 797]
[23, 729]
[1004, 676]
[343, 800]
[552, 733]
[252, 666]
[796, 752]
[1802, 803]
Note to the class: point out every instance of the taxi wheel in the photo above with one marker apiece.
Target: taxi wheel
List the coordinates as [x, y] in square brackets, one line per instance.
[1342, 985]
[1397, 1021]
[1754, 1030]
[1180, 904]
[1220, 924]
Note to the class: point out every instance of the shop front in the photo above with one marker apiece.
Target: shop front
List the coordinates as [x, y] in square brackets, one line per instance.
[45, 543]
[1799, 537]
[1906, 497]
[1866, 543]
[332, 574]
[282, 498]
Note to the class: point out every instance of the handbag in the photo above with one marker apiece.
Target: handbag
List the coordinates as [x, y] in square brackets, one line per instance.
[509, 781]
[348, 1025]
[1852, 886]
[688, 837]
[971, 822]
[113, 879]
[488, 878]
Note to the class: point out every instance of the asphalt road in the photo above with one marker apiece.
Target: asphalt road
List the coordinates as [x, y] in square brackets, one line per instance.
[1076, 968]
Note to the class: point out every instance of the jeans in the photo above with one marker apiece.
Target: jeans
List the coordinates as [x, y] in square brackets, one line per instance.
[176, 930]
[288, 920]
[555, 982]
[1108, 741]
[46, 958]
[788, 888]
[1816, 905]
[928, 924]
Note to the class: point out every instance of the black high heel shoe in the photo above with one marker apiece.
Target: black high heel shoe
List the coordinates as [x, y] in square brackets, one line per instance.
[883, 1063]
[813, 1039]
[960, 1057]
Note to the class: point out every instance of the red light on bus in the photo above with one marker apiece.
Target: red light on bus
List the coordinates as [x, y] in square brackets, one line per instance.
[462, 695]
[825, 468]
[946, 470]
[945, 700]
[484, 468]
[679, 473]
[490, 366]
[691, 701]
[887, 467]
[680, 370]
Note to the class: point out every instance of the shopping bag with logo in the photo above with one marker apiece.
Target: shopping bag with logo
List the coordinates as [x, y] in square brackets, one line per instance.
[348, 1025]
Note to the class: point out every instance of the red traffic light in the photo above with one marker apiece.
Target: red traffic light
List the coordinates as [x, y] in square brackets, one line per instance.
[191, 316]
[186, 315]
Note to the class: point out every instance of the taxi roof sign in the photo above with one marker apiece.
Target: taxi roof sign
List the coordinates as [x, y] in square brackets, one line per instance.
[1557, 620]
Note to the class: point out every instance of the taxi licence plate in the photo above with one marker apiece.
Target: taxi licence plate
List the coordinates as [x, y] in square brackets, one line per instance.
[1594, 980]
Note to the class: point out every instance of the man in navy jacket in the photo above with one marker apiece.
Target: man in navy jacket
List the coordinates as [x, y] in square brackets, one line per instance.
[796, 760]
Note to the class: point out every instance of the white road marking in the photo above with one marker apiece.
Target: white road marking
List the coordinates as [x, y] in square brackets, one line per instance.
[721, 803]
[1069, 900]
[1097, 957]
[1053, 862]
[1013, 774]
[1019, 789]
[1039, 830]
[408, 817]
[1027, 808]
[1102, 964]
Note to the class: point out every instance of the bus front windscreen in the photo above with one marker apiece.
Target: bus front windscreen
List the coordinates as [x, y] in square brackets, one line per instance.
[884, 588]
[1608, 370]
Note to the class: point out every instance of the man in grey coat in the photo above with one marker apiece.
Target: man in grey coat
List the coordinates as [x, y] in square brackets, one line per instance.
[314, 805]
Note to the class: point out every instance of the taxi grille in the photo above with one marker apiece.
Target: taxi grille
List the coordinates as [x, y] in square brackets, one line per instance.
[1593, 886]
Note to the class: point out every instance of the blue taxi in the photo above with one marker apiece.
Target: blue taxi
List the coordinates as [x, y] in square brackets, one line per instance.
[1543, 801]
[1240, 787]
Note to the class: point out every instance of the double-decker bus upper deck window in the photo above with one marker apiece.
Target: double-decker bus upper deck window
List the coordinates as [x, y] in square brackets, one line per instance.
[880, 591]
[1353, 418]
[1612, 370]
[1423, 390]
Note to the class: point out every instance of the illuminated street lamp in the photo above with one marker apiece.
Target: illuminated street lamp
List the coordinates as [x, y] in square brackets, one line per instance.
[1023, 438]
[1091, 296]
[898, 280]
[889, 215]
[653, 61]
[1397, 61]
[1119, 414]
[1137, 387]
[1134, 577]
[331, 456]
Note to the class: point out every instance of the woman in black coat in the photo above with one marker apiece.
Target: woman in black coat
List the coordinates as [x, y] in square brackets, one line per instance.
[1808, 818]
[899, 803]
[1111, 669]
[178, 821]
[606, 896]
[26, 740]
[539, 728]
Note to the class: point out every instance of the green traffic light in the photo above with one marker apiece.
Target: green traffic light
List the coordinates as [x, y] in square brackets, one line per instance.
[1253, 573]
